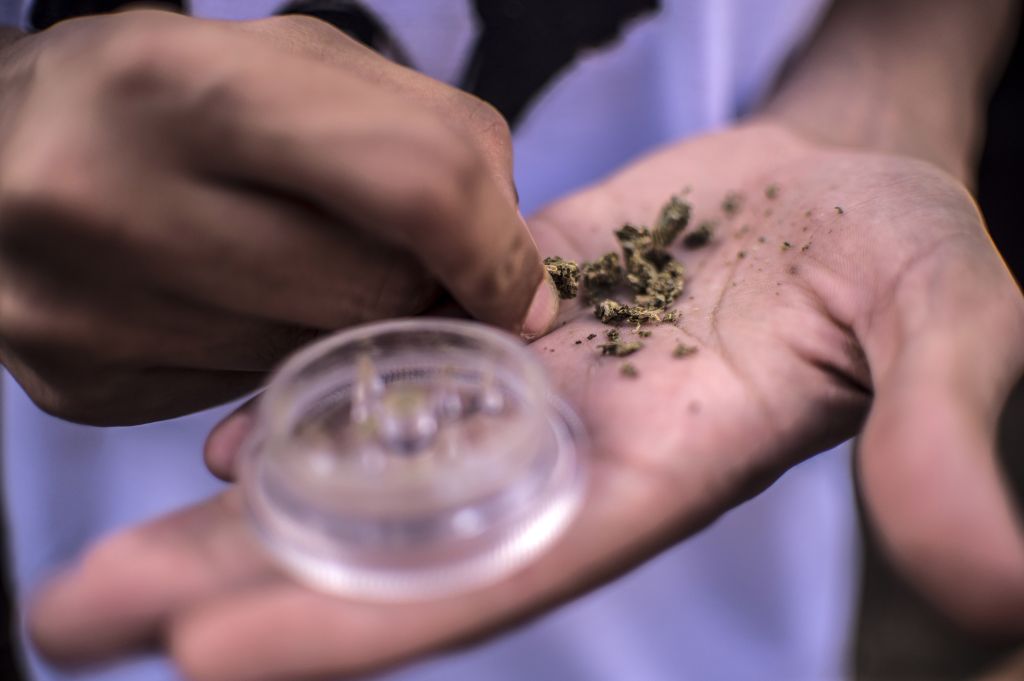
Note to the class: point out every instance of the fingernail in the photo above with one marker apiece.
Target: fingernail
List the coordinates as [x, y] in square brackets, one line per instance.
[543, 310]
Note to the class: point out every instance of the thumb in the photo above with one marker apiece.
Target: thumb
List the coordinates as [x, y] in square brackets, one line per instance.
[945, 354]
[225, 440]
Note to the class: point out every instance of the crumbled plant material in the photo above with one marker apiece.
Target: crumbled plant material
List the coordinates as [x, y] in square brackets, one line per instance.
[839, 210]
[609, 311]
[646, 267]
[771, 191]
[732, 203]
[628, 370]
[601, 275]
[672, 220]
[700, 236]
[565, 274]
[806, 247]
[786, 245]
[683, 350]
[615, 313]
[616, 347]
[659, 289]
[654, 275]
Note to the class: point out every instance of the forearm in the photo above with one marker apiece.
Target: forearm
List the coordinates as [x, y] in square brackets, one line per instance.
[902, 76]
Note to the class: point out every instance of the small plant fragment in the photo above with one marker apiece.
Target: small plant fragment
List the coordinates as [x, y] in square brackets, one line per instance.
[565, 274]
[806, 247]
[683, 350]
[741, 255]
[732, 203]
[700, 236]
[616, 347]
[786, 245]
[612, 312]
[674, 217]
[839, 210]
[579, 342]
[601, 275]
[771, 191]
[654, 275]
[628, 370]
[646, 267]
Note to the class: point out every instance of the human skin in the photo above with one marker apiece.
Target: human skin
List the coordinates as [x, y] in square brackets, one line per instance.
[873, 328]
[184, 202]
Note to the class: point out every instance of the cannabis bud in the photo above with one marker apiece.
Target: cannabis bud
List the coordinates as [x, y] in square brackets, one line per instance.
[565, 274]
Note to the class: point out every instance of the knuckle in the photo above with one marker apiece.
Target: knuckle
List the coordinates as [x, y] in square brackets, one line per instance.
[445, 172]
[126, 54]
[487, 121]
[489, 131]
[43, 194]
[302, 26]
[131, 63]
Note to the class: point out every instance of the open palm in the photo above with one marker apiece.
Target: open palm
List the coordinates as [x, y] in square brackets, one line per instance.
[859, 287]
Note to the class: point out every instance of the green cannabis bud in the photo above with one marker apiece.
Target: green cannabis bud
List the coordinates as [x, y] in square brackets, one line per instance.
[602, 274]
[565, 274]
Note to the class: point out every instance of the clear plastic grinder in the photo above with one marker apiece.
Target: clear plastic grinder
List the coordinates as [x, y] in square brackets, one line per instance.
[411, 459]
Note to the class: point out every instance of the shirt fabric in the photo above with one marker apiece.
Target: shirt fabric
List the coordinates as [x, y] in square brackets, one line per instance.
[766, 592]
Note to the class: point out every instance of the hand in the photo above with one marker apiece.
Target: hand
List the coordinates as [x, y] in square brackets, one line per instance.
[183, 202]
[898, 309]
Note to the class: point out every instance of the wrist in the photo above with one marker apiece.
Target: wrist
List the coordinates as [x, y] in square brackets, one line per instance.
[950, 142]
[907, 77]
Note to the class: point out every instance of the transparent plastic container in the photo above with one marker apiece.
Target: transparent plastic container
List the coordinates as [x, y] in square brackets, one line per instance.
[411, 459]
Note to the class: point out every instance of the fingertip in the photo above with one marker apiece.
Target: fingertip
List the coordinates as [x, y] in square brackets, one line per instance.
[225, 440]
[543, 310]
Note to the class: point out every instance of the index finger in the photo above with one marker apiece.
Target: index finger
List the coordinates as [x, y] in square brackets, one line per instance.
[398, 172]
